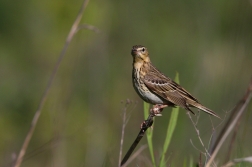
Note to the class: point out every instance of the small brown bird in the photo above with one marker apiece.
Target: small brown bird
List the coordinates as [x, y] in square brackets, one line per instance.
[155, 88]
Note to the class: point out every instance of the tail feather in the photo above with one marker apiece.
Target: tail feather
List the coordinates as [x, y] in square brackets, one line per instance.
[207, 110]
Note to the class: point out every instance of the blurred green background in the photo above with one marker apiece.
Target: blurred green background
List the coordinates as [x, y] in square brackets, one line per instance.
[207, 42]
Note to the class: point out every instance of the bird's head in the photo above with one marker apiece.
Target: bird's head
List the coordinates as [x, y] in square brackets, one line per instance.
[140, 54]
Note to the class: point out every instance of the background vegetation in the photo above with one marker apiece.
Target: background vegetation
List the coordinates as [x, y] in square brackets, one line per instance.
[207, 42]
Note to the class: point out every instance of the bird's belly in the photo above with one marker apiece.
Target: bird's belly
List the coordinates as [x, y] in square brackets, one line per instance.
[148, 96]
[152, 98]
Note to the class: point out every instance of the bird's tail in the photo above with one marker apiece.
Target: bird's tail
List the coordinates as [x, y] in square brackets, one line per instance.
[207, 110]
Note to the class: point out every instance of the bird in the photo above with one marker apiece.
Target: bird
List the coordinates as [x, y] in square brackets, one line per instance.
[157, 89]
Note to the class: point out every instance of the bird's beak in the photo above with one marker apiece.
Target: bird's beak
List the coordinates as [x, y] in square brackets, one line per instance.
[133, 52]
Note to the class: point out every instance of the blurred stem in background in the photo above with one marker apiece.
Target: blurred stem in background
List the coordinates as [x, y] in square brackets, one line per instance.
[74, 29]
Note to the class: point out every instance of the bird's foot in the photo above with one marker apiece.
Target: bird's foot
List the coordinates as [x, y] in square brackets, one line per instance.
[157, 109]
[154, 111]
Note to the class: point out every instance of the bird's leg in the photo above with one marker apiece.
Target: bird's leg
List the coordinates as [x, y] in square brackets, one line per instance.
[157, 109]
[154, 111]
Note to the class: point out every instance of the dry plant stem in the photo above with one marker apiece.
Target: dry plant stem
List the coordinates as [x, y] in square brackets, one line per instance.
[238, 160]
[125, 121]
[200, 161]
[232, 115]
[198, 134]
[89, 27]
[232, 141]
[243, 103]
[51, 144]
[237, 126]
[122, 137]
[201, 152]
[49, 84]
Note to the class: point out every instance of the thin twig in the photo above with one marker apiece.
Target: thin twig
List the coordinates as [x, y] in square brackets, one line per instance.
[233, 113]
[241, 106]
[198, 134]
[122, 137]
[197, 118]
[200, 161]
[89, 27]
[125, 121]
[231, 145]
[196, 147]
[212, 144]
[238, 160]
[49, 84]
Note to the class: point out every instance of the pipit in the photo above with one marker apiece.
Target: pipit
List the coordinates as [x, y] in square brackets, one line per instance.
[157, 89]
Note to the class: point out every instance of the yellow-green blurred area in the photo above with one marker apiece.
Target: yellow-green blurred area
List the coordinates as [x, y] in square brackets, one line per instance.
[208, 42]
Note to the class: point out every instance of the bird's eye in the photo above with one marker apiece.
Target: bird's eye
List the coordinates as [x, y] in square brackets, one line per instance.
[143, 49]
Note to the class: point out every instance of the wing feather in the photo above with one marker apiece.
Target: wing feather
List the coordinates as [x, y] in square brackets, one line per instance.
[167, 89]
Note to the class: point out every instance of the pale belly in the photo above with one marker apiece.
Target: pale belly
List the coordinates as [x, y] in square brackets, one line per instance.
[146, 95]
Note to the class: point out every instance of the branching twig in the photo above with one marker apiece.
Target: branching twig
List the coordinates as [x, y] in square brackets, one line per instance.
[233, 162]
[211, 141]
[89, 27]
[49, 84]
[201, 152]
[125, 121]
[197, 118]
[122, 137]
[231, 145]
[236, 114]
[207, 154]
[198, 134]
[200, 161]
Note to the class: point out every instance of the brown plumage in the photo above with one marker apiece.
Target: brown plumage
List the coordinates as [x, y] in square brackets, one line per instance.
[155, 88]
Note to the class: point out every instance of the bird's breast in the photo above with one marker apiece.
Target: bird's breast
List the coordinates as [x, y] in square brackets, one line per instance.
[142, 90]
